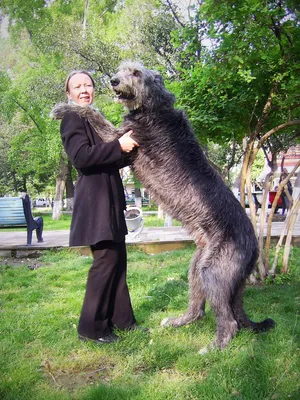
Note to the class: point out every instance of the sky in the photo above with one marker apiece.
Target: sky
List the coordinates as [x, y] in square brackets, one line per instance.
[3, 27]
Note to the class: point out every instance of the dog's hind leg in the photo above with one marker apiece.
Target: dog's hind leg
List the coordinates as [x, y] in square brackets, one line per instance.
[218, 291]
[196, 305]
[241, 317]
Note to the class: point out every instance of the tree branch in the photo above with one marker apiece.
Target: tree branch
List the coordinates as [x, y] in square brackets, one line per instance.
[270, 218]
[29, 115]
[265, 112]
[276, 129]
[175, 14]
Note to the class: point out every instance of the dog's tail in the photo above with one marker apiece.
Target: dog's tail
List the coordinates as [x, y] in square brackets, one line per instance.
[242, 319]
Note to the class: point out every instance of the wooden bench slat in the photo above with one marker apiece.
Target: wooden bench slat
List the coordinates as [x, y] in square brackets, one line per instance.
[11, 211]
[12, 222]
[11, 202]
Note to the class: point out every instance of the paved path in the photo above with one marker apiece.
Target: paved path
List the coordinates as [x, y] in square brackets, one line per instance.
[16, 240]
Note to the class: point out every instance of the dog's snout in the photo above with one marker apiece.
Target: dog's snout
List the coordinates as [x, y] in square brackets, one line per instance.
[114, 81]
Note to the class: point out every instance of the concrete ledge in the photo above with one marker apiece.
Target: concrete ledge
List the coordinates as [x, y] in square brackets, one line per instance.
[150, 240]
[160, 247]
[146, 247]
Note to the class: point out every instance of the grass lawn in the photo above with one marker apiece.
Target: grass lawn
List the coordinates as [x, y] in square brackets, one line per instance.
[42, 359]
[65, 221]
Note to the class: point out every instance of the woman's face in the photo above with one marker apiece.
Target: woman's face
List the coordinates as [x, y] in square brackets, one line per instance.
[81, 90]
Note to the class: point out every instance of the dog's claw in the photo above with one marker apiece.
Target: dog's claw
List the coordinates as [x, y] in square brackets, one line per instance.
[165, 322]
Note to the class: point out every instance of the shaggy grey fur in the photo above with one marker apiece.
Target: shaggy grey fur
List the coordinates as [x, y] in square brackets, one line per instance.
[172, 166]
[103, 127]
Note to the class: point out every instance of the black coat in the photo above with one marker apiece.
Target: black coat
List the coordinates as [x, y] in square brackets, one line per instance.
[99, 200]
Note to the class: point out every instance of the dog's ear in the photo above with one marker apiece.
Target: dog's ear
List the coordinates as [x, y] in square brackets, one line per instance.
[156, 95]
[158, 79]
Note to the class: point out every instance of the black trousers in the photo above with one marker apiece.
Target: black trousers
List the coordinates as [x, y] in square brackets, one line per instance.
[107, 302]
[285, 203]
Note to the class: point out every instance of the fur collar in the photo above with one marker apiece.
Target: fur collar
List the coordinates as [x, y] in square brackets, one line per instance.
[104, 128]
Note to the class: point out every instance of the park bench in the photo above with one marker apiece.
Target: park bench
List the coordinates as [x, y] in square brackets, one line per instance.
[15, 212]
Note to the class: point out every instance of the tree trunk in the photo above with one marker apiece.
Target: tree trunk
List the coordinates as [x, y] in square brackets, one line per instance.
[85, 18]
[296, 190]
[293, 214]
[138, 197]
[264, 205]
[69, 188]
[245, 171]
[272, 212]
[288, 227]
[236, 186]
[60, 187]
[160, 213]
[252, 207]
[168, 220]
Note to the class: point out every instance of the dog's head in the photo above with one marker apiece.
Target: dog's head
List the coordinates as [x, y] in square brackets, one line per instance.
[137, 87]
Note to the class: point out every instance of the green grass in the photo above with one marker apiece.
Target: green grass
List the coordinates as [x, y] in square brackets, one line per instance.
[50, 224]
[42, 359]
[65, 221]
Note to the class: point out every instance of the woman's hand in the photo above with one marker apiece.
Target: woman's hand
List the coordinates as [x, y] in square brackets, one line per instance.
[127, 143]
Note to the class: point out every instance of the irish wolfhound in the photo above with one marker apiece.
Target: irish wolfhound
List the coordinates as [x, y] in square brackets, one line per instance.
[172, 166]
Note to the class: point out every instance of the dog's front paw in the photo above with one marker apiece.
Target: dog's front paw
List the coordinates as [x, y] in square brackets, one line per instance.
[175, 322]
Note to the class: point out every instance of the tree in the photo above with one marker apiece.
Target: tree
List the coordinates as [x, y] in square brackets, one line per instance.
[49, 39]
[244, 85]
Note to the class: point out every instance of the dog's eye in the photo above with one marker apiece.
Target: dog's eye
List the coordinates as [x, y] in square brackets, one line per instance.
[136, 73]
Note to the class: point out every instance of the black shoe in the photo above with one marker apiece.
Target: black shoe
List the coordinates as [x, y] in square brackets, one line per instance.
[111, 338]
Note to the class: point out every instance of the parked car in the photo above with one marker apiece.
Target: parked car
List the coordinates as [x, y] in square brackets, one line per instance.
[40, 202]
[130, 199]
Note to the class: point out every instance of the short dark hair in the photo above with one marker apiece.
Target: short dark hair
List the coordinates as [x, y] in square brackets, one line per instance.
[75, 72]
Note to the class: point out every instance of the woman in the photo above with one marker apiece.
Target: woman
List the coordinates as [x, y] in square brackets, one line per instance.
[98, 216]
[289, 188]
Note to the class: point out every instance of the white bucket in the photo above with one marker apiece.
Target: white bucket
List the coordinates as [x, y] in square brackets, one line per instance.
[134, 220]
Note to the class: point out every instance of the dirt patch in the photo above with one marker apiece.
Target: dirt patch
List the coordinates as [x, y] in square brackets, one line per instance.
[74, 379]
[31, 261]
[278, 218]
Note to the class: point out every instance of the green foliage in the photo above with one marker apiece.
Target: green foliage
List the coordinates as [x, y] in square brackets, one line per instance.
[253, 48]
[64, 221]
[258, 165]
[221, 60]
[47, 40]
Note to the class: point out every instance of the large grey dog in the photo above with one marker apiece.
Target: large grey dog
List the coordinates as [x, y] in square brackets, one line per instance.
[172, 166]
